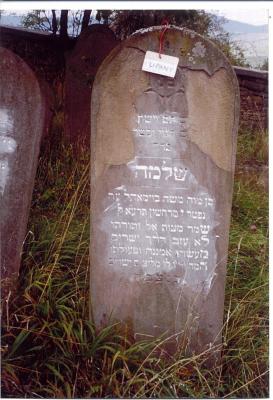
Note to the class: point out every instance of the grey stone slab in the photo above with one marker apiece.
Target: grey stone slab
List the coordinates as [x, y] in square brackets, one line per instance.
[162, 165]
[21, 126]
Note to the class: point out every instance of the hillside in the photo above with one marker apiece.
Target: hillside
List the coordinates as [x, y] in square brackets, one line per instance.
[235, 27]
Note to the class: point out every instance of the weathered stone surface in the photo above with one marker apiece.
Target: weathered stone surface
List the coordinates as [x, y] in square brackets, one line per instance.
[81, 66]
[162, 165]
[21, 126]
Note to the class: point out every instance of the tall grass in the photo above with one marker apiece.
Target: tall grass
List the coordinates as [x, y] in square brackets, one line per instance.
[51, 349]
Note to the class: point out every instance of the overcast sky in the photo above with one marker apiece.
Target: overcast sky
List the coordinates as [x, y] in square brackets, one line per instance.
[249, 13]
[256, 16]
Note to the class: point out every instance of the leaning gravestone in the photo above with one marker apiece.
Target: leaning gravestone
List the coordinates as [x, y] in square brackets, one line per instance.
[92, 46]
[21, 125]
[163, 157]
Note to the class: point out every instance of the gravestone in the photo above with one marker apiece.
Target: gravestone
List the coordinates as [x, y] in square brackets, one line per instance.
[162, 165]
[92, 46]
[21, 126]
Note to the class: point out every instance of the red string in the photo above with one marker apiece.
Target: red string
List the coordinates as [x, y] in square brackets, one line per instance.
[164, 22]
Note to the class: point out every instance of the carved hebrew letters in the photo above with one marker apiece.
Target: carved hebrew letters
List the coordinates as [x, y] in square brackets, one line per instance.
[173, 216]
[172, 229]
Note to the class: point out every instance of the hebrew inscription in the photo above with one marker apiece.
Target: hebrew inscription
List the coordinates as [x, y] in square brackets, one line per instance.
[160, 226]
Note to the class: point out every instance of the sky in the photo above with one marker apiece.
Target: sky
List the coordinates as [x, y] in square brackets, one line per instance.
[254, 12]
[257, 16]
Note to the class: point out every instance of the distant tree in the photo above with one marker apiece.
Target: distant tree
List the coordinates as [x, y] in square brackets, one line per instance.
[125, 22]
[230, 48]
[103, 16]
[64, 22]
[41, 20]
[264, 65]
[85, 19]
[54, 22]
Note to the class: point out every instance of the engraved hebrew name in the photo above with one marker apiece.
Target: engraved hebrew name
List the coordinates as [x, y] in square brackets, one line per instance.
[160, 224]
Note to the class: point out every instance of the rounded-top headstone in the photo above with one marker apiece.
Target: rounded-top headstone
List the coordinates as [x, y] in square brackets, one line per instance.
[162, 164]
[21, 126]
[92, 46]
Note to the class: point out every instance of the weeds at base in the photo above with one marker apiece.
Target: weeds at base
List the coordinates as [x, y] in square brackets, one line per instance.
[51, 349]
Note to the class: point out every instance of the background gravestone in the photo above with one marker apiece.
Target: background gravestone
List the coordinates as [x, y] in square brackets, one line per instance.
[163, 158]
[81, 66]
[21, 126]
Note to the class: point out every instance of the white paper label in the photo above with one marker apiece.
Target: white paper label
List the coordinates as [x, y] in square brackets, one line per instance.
[164, 65]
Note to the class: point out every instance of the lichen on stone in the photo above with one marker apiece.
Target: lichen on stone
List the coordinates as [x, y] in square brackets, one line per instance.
[199, 50]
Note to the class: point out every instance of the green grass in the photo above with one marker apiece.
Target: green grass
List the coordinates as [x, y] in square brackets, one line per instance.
[51, 349]
[252, 148]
